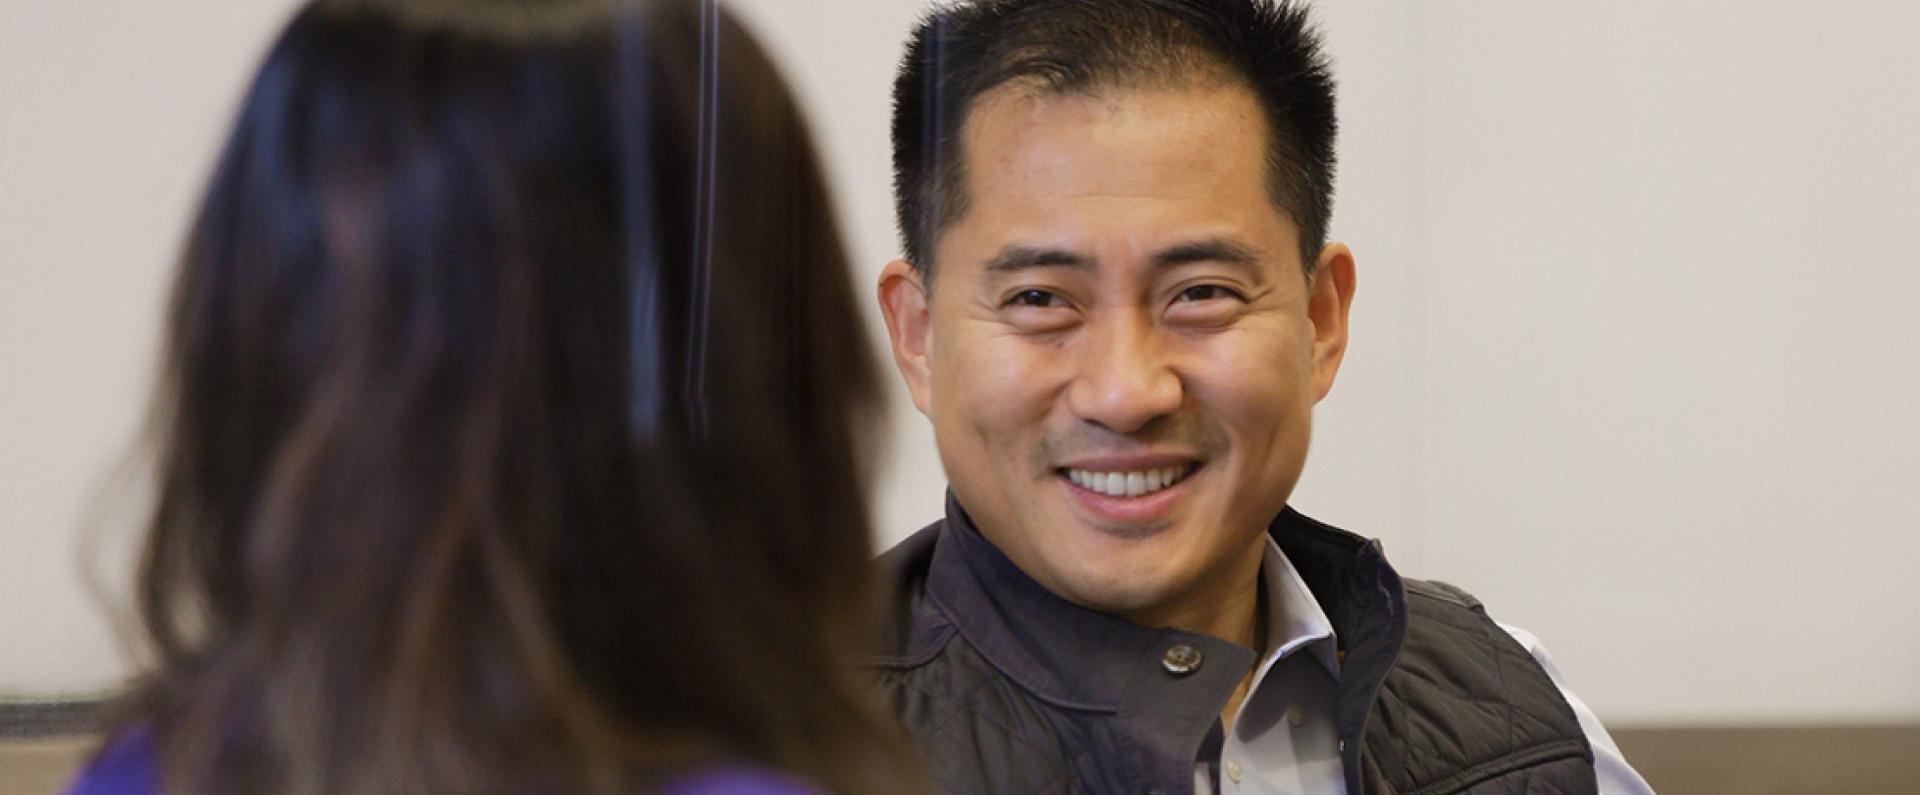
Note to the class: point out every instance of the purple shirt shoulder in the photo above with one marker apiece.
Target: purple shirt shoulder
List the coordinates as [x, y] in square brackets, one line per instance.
[736, 781]
[125, 766]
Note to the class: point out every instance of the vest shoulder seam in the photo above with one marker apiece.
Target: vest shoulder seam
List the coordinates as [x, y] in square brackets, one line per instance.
[1443, 592]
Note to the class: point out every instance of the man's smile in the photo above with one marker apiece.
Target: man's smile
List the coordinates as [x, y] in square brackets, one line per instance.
[1128, 496]
[1130, 483]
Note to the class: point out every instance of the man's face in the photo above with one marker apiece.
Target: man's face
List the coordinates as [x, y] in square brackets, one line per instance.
[1120, 353]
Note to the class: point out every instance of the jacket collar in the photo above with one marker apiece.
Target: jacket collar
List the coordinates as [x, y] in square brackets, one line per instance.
[1367, 605]
[1295, 622]
[1066, 654]
[1080, 658]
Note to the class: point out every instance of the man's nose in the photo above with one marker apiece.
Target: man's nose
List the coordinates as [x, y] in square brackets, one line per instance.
[1123, 379]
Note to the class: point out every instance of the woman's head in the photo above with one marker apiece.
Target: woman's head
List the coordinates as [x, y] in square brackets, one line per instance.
[511, 416]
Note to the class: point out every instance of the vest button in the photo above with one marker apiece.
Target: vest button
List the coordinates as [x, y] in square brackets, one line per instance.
[1181, 660]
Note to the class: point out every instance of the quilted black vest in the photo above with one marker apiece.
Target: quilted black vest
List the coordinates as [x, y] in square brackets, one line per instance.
[1010, 689]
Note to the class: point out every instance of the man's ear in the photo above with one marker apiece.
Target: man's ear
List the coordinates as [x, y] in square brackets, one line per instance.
[903, 301]
[1329, 296]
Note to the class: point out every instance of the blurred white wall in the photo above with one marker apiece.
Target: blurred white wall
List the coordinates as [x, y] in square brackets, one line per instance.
[1632, 359]
[1664, 262]
[109, 115]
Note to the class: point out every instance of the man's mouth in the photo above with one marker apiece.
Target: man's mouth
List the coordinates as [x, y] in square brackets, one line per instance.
[1131, 483]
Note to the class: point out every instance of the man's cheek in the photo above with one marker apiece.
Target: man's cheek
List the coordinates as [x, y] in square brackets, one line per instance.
[1005, 389]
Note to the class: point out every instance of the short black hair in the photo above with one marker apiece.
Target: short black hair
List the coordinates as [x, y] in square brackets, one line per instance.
[963, 50]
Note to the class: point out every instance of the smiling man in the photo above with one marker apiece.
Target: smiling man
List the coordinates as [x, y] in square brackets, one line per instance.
[1119, 307]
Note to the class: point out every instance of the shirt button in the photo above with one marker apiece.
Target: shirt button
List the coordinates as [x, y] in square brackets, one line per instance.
[1297, 715]
[1233, 771]
[1181, 660]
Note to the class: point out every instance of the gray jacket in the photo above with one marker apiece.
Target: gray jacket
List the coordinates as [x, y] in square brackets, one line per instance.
[1011, 689]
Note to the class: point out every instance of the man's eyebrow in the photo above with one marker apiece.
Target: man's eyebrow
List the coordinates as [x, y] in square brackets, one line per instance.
[1016, 258]
[1215, 249]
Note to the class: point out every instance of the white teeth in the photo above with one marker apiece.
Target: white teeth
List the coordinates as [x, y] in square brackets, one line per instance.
[1127, 484]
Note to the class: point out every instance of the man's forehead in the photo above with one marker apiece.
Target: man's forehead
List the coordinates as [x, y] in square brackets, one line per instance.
[1197, 140]
[1064, 174]
[1012, 114]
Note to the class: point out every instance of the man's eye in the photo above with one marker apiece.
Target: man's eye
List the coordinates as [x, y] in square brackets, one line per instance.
[1205, 292]
[1035, 298]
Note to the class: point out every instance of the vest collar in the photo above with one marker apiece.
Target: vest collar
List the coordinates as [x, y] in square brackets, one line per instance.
[1085, 659]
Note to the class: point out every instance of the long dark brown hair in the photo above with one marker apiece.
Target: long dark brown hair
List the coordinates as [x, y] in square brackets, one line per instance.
[510, 435]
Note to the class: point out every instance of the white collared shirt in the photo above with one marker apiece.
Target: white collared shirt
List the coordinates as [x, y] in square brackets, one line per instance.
[1283, 738]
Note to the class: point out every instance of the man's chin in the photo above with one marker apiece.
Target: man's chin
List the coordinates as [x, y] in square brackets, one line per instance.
[1117, 594]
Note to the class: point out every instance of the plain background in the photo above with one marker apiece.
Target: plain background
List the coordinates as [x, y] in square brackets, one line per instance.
[1633, 356]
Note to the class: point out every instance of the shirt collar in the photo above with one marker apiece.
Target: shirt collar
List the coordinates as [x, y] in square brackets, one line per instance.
[1295, 619]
